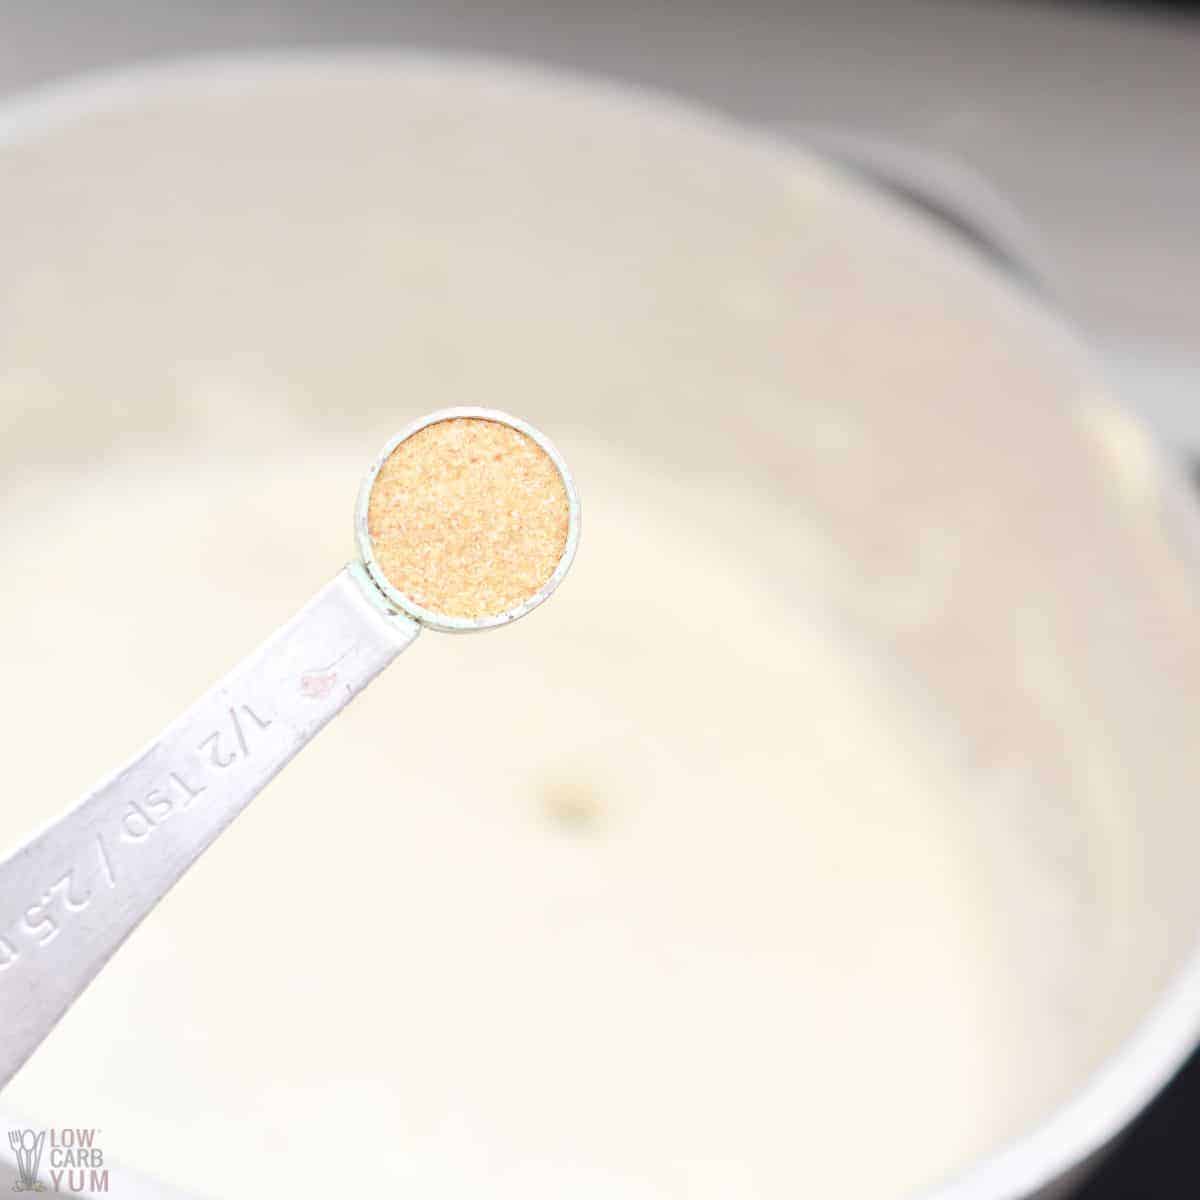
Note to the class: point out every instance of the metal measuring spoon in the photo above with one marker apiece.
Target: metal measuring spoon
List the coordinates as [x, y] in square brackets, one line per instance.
[459, 504]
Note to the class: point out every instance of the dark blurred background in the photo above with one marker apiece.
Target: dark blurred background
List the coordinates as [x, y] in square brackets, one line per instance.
[1064, 136]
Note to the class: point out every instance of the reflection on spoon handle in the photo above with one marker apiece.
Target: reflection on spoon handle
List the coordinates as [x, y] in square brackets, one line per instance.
[72, 894]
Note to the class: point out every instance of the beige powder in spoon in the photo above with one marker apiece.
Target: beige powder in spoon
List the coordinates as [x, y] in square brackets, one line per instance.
[468, 517]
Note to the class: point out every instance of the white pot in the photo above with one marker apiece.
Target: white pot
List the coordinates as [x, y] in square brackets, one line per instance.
[210, 268]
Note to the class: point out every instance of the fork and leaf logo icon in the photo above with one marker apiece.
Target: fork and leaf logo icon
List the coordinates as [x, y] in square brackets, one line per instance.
[27, 1146]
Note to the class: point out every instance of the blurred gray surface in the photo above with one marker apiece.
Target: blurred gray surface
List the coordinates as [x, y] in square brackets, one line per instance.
[1085, 119]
